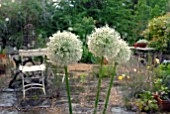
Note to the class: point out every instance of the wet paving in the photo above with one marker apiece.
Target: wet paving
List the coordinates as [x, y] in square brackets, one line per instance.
[11, 104]
[82, 102]
[83, 92]
[8, 98]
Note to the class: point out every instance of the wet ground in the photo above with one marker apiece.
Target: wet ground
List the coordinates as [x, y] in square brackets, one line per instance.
[82, 94]
[83, 84]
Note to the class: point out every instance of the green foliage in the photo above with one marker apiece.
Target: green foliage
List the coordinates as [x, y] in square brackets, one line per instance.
[128, 17]
[147, 102]
[41, 42]
[88, 57]
[106, 71]
[83, 78]
[145, 10]
[163, 75]
[83, 27]
[160, 89]
[15, 16]
[158, 32]
[10, 23]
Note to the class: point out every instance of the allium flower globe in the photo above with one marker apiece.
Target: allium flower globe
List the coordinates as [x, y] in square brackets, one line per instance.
[104, 42]
[64, 48]
[123, 55]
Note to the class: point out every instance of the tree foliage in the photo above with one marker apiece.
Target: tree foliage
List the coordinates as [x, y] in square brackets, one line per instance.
[128, 17]
[144, 11]
[16, 15]
[158, 33]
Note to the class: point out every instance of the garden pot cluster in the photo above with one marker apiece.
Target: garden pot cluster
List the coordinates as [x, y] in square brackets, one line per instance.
[162, 104]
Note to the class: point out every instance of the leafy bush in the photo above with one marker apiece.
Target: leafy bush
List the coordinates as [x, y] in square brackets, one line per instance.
[158, 32]
[163, 75]
[16, 16]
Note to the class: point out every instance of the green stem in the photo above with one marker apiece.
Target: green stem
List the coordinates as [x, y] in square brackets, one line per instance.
[109, 89]
[98, 86]
[68, 90]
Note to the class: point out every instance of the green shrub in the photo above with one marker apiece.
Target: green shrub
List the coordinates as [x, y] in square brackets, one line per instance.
[158, 33]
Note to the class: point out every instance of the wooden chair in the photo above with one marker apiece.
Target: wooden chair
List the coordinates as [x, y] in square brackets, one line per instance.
[33, 75]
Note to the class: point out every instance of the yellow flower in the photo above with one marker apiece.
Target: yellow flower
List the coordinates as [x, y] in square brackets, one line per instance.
[157, 61]
[120, 77]
[148, 67]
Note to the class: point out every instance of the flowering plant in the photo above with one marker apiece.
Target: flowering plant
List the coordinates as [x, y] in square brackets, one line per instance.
[63, 49]
[106, 43]
[123, 55]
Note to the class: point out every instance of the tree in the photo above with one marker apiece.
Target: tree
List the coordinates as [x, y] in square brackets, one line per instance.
[158, 33]
[16, 15]
[128, 17]
[146, 10]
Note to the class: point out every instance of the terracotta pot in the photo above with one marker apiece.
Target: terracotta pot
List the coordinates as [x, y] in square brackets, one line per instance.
[105, 61]
[142, 45]
[155, 96]
[2, 56]
[3, 63]
[163, 104]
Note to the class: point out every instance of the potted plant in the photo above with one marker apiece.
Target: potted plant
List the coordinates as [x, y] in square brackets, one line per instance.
[163, 104]
[163, 99]
[162, 96]
[146, 102]
[141, 43]
[162, 87]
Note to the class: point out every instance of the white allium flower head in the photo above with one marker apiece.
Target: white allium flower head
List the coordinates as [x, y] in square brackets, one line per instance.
[104, 41]
[64, 48]
[123, 55]
[7, 19]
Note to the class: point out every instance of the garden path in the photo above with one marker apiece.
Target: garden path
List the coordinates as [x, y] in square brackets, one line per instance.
[83, 91]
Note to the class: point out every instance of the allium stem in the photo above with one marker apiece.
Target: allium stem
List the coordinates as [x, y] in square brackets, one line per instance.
[68, 90]
[109, 89]
[98, 86]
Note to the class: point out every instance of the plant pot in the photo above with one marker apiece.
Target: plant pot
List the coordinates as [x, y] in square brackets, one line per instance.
[142, 45]
[163, 104]
[3, 63]
[2, 56]
[155, 96]
[105, 61]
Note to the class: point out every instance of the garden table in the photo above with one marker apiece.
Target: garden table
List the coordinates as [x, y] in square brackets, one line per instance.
[144, 54]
